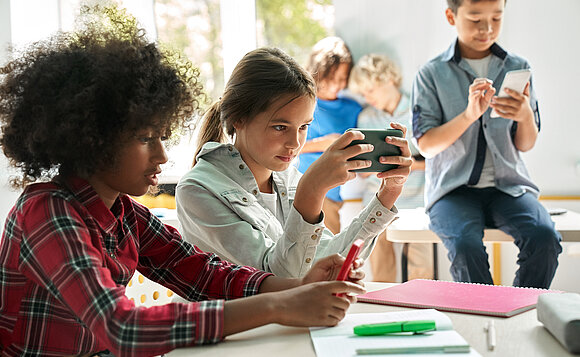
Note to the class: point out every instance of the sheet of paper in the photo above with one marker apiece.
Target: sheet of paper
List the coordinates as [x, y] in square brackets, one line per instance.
[341, 341]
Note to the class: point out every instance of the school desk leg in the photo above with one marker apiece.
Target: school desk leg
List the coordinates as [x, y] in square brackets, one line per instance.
[435, 263]
[405, 262]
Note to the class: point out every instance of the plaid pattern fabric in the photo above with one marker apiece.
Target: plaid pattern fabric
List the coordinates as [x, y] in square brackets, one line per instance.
[65, 260]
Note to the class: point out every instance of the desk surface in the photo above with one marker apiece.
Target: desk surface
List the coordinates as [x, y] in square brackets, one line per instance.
[413, 226]
[520, 335]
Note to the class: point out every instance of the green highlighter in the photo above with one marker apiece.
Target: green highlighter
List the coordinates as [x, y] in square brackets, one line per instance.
[417, 326]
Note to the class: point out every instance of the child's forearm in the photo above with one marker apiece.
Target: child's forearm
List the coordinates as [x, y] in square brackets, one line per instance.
[526, 134]
[275, 283]
[247, 313]
[258, 310]
[308, 201]
[437, 139]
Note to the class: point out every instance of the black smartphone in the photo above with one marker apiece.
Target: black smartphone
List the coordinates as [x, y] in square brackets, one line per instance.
[376, 137]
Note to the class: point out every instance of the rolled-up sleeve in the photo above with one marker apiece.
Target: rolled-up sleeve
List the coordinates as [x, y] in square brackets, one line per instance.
[425, 104]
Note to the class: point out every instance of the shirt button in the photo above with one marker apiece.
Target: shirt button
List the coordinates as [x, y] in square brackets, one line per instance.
[379, 213]
[255, 192]
[314, 236]
[317, 230]
[283, 194]
[112, 255]
[372, 220]
[241, 166]
[244, 199]
[230, 148]
[308, 260]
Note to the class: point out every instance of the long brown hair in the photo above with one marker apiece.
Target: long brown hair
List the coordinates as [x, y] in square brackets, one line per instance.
[260, 78]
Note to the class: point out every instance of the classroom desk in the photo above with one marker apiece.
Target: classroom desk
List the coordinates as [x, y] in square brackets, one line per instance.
[412, 226]
[520, 335]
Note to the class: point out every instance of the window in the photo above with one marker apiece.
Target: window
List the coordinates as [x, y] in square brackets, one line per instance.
[213, 34]
[294, 26]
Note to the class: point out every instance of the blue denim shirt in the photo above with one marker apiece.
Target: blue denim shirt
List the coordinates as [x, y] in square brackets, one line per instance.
[440, 92]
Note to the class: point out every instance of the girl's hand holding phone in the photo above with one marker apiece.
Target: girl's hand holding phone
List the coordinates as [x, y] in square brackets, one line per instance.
[394, 179]
[333, 168]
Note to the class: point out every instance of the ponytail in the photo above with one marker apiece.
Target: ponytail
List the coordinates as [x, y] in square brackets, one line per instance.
[211, 128]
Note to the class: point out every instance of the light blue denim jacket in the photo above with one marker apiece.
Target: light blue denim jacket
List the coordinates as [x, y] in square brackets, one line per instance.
[440, 92]
[220, 210]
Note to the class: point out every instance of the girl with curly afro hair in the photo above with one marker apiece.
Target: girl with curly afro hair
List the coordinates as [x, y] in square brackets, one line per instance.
[84, 116]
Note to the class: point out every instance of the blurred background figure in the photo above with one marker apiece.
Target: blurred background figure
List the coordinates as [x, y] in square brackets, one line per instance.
[377, 79]
[330, 63]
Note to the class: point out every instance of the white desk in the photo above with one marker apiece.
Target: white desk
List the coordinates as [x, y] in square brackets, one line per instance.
[412, 226]
[520, 335]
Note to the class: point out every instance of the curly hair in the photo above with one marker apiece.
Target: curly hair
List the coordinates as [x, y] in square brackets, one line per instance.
[68, 103]
[325, 57]
[373, 69]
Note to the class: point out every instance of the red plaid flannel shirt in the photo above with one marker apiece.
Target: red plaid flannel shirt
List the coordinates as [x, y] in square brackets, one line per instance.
[65, 260]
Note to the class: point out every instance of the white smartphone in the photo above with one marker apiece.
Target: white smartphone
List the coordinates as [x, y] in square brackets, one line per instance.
[514, 80]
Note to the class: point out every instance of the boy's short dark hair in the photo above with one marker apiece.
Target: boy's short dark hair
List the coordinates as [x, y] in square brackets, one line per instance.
[325, 57]
[455, 4]
[68, 103]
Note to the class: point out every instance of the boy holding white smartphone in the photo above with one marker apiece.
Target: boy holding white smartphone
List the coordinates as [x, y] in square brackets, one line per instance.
[475, 176]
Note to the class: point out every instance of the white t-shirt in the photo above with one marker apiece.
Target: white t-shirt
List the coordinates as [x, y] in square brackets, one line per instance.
[487, 178]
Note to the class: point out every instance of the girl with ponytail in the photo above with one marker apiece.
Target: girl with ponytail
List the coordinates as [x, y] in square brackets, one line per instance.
[244, 200]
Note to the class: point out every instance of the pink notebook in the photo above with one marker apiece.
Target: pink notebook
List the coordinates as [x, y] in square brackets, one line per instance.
[493, 300]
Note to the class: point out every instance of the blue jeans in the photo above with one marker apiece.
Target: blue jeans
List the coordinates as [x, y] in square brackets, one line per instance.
[460, 217]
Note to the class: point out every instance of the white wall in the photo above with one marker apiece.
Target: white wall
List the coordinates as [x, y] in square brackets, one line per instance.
[413, 31]
[7, 195]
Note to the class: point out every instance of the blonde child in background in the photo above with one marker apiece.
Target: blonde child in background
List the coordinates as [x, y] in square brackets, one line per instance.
[378, 79]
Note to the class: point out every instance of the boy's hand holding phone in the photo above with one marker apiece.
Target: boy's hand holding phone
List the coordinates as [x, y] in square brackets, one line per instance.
[513, 100]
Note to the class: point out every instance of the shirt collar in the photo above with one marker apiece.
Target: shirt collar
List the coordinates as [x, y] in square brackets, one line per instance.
[88, 197]
[453, 53]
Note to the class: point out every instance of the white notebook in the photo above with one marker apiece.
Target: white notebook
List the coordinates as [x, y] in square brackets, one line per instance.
[341, 341]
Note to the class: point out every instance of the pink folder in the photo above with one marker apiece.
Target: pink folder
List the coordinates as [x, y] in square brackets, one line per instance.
[493, 300]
